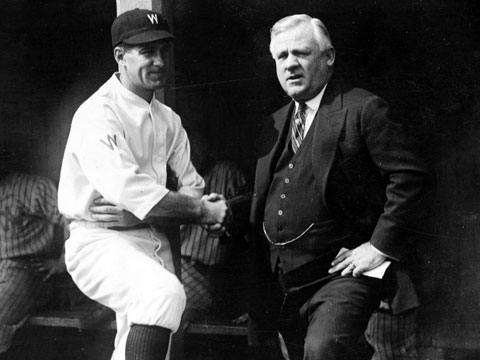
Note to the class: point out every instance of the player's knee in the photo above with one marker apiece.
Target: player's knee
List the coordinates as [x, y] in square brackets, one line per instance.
[319, 347]
[175, 294]
[161, 305]
[168, 294]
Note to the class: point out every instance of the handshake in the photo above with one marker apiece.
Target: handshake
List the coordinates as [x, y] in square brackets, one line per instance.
[216, 214]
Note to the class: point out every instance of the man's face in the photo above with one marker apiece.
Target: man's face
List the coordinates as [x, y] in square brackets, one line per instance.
[302, 68]
[145, 67]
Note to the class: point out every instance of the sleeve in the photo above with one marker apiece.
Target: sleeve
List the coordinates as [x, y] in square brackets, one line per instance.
[406, 177]
[189, 181]
[46, 201]
[46, 204]
[108, 163]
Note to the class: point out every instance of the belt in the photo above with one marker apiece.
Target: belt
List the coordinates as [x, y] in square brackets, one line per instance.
[110, 225]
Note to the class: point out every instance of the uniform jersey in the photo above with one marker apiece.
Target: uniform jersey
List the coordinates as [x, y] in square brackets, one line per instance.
[28, 215]
[119, 147]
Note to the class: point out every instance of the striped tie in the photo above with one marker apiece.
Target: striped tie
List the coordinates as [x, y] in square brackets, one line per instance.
[298, 127]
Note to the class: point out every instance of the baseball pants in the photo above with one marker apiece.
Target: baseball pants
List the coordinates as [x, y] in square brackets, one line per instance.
[130, 272]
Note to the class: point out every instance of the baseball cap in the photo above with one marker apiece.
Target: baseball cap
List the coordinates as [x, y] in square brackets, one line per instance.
[139, 26]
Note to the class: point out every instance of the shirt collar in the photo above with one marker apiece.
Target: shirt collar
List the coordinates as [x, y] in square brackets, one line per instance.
[314, 103]
[129, 94]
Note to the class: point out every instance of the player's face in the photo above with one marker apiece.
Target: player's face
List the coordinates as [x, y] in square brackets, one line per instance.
[145, 67]
[302, 68]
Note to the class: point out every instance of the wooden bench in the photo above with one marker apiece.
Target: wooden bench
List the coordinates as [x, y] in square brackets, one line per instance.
[87, 316]
[91, 316]
[94, 317]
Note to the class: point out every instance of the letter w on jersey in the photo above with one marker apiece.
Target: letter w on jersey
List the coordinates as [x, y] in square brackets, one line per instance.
[153, 18]
[112, 141]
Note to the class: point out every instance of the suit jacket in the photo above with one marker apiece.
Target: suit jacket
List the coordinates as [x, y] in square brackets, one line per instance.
[366, 167]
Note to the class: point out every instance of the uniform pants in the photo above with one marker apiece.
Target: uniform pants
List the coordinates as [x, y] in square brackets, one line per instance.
[327, 324]
[21, 290]
[130, 272]
[393, 336]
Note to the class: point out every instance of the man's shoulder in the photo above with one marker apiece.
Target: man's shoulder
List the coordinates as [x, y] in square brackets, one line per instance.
[357, 95]
[101, 104]
[283, 111]
[104, 94]
[349, 92]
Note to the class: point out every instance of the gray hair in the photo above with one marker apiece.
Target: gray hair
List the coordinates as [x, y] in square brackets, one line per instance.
[320, 31]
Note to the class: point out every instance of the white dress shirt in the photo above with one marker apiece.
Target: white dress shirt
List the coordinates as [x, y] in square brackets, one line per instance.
[311, 111]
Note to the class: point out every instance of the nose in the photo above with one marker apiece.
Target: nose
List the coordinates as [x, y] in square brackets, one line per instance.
[291, 62]
[159, 60]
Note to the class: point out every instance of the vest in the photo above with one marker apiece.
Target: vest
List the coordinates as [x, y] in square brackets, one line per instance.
[298, 226]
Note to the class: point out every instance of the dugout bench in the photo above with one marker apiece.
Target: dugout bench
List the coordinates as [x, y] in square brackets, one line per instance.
[89, 316]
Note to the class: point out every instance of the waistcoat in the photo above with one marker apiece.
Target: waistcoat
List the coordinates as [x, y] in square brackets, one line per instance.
[298, 226]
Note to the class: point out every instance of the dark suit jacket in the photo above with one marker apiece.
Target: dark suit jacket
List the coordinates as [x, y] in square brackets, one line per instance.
[366, 167]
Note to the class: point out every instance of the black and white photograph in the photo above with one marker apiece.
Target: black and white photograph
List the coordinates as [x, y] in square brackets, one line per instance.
[240, 180]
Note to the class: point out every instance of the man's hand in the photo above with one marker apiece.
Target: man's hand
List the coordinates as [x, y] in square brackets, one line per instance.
[357, 261]
[218, 229]
[49, 266]
[214, 210]
[103, 211]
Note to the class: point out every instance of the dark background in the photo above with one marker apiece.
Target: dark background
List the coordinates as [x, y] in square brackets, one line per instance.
[422, 56]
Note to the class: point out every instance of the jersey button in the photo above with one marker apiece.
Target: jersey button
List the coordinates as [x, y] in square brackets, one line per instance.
[287, 180]
[280, 212]
[283, 196]
[290, 166]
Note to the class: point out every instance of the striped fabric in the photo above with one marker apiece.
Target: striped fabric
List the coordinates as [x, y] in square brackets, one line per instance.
[28, 215]
[20, 290]
[223, 178]
[199, 250]
[392, 336]
[197, 287]
[298, 126]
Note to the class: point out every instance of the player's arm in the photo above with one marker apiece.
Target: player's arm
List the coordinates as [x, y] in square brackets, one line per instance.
[174, 209]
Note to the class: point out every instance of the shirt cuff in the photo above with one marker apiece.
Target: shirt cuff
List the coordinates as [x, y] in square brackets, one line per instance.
[387, 256]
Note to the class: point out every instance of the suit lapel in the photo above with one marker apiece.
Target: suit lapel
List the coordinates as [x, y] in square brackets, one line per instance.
[279, 131]
[328, 123]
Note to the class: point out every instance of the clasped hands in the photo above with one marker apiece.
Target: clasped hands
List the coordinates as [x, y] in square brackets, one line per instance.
[357, 261]
[220, 214]
[215, 214]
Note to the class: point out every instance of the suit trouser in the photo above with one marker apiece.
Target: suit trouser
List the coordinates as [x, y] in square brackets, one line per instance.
[326, 324]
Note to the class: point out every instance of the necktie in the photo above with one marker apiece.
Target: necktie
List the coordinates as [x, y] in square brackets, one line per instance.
[298, 127]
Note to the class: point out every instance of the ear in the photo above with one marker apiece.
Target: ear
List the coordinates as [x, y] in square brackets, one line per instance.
[119, 55]
[330, 54]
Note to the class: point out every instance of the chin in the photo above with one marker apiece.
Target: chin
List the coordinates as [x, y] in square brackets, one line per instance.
[294, 90]
[295, 94]
[157, 86]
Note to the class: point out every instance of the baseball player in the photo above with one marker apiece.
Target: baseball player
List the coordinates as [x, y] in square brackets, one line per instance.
[121, 142]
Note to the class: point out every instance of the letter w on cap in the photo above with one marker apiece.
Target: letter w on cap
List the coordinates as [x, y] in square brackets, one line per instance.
[153, 18]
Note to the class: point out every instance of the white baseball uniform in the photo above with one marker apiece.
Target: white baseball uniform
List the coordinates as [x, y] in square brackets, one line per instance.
[119, 147]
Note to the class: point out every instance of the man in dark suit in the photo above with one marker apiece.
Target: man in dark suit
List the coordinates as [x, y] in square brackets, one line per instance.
[337, 188]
